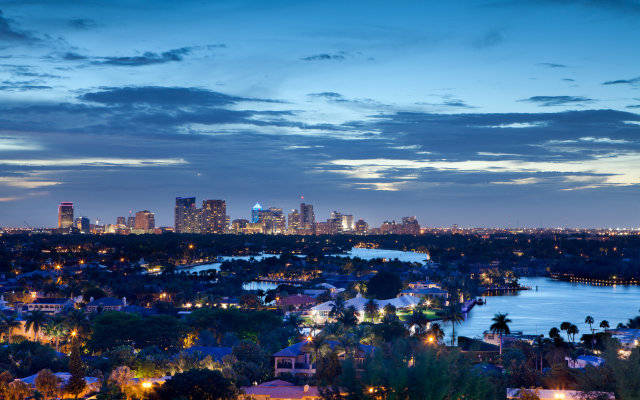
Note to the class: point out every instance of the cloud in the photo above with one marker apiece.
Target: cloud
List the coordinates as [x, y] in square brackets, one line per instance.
[489, 39]
[94, 162]
[147, 58]
[324, 57]
[10, 34]
[327, 95]
[83, 23]
[520, 181]
[17, 144]
[550, 101]
[568, 80]
[25, 182]
[519, 125]
[632, 81]
[551, 65]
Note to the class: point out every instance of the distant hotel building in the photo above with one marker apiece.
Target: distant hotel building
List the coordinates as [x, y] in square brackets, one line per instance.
[187, 216]
[211, 218]
[307, 217]
[65, 215]
[145, 220]
[214, 216]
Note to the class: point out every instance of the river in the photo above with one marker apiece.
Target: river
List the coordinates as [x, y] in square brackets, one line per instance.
[537, 311]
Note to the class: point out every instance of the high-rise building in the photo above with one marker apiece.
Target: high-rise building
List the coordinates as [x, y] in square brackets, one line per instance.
[121, 221]
[145, 220]
[255, 213]
[186, 215]
[239, 224]
[65, 215]
[410, 226]
[362, 227]
[273, 221]
[83, 224]
[131, 222]
[214, 216]
[294, 221]
[307, 217]
[347, 223]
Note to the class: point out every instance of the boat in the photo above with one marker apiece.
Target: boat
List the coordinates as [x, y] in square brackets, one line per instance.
[480, 301]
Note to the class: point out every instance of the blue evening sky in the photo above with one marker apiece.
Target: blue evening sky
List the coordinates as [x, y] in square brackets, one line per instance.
[480, 113]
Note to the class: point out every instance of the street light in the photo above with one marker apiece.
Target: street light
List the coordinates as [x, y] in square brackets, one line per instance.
[146, 384]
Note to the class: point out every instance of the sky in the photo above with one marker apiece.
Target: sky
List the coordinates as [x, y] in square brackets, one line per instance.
[520, 113]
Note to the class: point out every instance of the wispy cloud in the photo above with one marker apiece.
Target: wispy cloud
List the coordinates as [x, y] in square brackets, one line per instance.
[94, 162]
[8, 33]
[632, 81]
[551, 65]
[550, 101]
[326, 57]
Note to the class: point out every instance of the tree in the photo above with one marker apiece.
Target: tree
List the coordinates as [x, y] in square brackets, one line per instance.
[202, 384]
[554, 333]
[77, 321]
[96, 293]
[384, 285]
[604, 324]
[389, 309]
[55, 328]
[564, 326]
[573, 331]
[348, 317]
[436, 332]
[47, 383]
[453, 316]
[121, 377]
[17, 390]
[76, 383]
[589, 321]
[500, 326]
[339, 305]
[371, 309]
[419, 320]
[8, 325]
[36, 321]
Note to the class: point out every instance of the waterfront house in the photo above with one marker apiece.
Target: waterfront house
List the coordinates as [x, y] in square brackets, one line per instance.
[555, 394]
[49, 305]
[582, 361]
[279, 390]
[514, 336]
[298, 359]
[106, 304]
[320, 313]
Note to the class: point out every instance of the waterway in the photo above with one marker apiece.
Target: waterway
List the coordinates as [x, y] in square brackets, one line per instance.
[537, 311]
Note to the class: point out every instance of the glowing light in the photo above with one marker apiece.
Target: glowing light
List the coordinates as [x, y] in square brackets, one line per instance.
[430, 339]
[191, 247]
[146, 384]
[74, 333]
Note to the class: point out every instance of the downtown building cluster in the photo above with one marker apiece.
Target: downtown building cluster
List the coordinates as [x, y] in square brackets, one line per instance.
[212, 218]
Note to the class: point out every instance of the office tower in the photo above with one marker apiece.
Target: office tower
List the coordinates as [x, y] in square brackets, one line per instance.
[294, 221]
[214, 216]
[335, 223]
[410, 226]
[131, 222]
[121, 221]
[83, 224]
[255, 213]
[65, 215]
[362, 227]
[145, 220]
[307, 217]
[273, 221]
[347, 223]
[186, 215]
[239, 224]
[390, 228]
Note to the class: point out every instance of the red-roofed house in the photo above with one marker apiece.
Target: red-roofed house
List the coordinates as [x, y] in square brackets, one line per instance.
[280, 390]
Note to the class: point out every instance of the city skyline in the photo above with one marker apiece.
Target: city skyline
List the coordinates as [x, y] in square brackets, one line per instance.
[467, 113]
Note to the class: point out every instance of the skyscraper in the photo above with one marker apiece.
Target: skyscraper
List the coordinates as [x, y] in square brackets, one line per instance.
[255, 213]
[410, 226]
[273, 221]
[145, 220]
[214, 216]
[131, 222]
[307, 217]
[186, 215]
[347, 223]
[294, 221]
[65, 215]
[83, 224]
[121, 221]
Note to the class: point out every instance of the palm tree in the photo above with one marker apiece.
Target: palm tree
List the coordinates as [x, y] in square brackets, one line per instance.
[389, 309]
[348, 317]
[371, 309]
[294, 321]
[36, 321]
[500, 326]
[564, 326]
[573, 331]
[77, 321]
[56, 329]
[554, 333]
[9, 324]
[419, 320]
[339, 305]
[436, 332]
[452, 315]
[589, 321]
[604, 324]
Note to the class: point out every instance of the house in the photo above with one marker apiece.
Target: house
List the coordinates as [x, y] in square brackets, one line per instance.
[217, 354]
[279, 390]
[583, 361]
[514, 336]
[320, 313]
[628, 338]
[297, 359]
[93, 384]
[425, 292]
[297, 301]
[106, 304]
[49, 305]
[555, 394]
